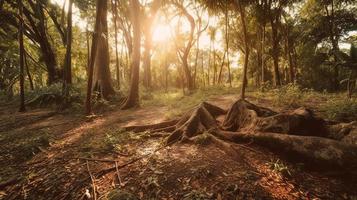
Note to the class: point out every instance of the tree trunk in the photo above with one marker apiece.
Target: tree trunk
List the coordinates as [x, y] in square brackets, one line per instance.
[102, 79]
[28, 72]
[334, 41]
[96, 34]
[275, 51]
[186, 52]
[133, 98]
[147, 60]
[246, 49]
[67, 70]
[227, 47]
[148, 31]
[214, 66]
[262, 56]
[115, 16]
[21, 53]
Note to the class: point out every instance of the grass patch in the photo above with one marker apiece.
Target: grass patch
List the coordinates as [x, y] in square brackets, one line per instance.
[20, 147]
[114, 141]
[341, 109]
[179, 103]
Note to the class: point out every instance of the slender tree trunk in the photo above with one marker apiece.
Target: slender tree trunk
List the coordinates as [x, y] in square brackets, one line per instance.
[166, 75]
[209, 64]
[334, 41]
[263, 55]
[196, 59]
[21, 45]
[67, 70]
[246, 49]
[274, 20]
[214, 66]
[221, 68]
[148, 31]
[133, 98]
[97, 32]
[147, 60]
[291, 66]
[88, 49]
[203, 71]
[227, 47]
[28, 73]
[115, 16]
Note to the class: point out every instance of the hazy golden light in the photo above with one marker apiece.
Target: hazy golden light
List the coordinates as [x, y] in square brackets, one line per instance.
[161, 33]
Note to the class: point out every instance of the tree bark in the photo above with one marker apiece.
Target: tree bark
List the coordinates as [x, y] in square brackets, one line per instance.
[67, 70]
[102, 78]
[187, 49]
[28, 72]
[97, 31]
[133, 98]
[274, 20]
[115, 16]
[21, 52]
[241, 9]
[297, 134]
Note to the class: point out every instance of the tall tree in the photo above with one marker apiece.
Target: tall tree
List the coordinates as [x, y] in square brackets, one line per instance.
[185, 52]
[133, 97]
[102, 81]
[96, 34]
[212, 35]
[21, 45]
[148, 32]
[115, 17]
[274, 17]
[67, 70]
[241, 9]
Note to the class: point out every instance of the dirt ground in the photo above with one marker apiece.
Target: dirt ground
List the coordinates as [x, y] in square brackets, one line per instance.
[42, 157]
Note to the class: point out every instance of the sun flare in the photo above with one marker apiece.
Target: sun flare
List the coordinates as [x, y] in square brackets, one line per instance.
[161, 33]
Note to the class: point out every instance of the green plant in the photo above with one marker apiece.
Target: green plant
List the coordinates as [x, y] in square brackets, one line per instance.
[289, 95]
[341, 109]
[279, 167]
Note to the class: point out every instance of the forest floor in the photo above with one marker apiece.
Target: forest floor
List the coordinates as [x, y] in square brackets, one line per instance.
[42, 151]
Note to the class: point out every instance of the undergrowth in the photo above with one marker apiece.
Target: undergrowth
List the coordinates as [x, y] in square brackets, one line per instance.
[179, 103]
[341, 109]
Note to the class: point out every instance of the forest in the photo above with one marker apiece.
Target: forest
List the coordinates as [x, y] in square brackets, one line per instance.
[178, 99]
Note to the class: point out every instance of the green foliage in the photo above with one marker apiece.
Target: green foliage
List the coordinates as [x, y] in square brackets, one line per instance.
[279, 167]
[16, 145]
[52, 96]
[179, 103]
[290, 96]
[341, 109]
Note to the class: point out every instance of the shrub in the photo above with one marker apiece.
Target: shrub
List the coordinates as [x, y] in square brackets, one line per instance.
[341, 109]
[290, 95]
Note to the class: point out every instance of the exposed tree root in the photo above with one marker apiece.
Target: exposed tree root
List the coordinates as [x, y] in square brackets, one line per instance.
[298, 133]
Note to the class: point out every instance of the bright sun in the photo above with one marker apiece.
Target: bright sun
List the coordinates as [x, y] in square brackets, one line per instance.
[162, 33]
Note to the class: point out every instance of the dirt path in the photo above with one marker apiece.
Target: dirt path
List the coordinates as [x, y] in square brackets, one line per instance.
[182, 171]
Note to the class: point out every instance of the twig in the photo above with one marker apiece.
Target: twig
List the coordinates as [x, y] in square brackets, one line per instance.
[92, 179]
[248, 148]
[119, 179]
[108, 170]
[97, 160]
